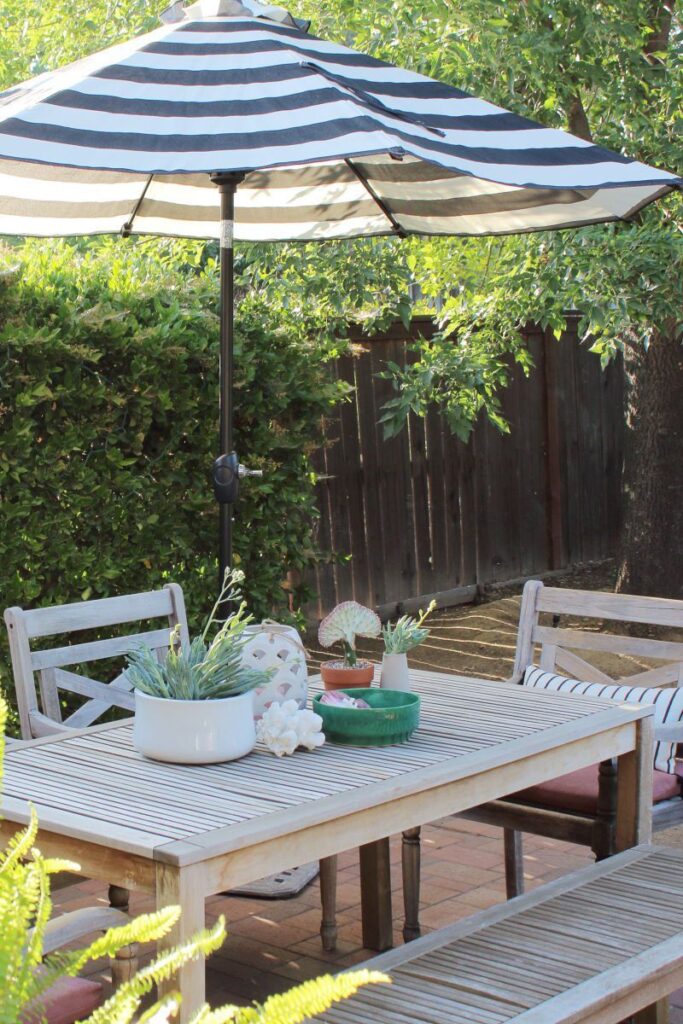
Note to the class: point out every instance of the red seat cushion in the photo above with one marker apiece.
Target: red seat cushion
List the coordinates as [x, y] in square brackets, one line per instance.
[578, 791]
[65, 1002]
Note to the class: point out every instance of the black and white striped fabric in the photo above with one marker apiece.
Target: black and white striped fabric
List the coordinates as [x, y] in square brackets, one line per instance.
[667, 704]
[335, 144]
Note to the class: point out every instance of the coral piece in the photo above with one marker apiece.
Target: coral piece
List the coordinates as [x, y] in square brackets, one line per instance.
[284, 727]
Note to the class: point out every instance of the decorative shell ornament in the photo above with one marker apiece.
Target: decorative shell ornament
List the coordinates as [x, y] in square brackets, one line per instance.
[347, 621]
[277, 648]
[284, 727]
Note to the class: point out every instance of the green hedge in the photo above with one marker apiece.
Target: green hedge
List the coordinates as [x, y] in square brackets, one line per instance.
[108, 427]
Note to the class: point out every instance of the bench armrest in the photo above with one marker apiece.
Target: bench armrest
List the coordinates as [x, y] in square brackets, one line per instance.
[41, 725]
[78, 923]
[669, 733]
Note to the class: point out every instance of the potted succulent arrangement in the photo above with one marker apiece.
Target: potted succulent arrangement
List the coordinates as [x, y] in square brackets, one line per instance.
[343, 624]
[399, 638]
[197, 707]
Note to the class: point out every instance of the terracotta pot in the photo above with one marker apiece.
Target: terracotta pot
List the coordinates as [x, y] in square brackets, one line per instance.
[338, 676]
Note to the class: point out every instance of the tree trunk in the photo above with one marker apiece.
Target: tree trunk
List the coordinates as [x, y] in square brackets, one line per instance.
[651, 556]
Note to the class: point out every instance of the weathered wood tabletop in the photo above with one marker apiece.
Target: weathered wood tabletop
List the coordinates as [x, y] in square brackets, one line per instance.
[186, 832]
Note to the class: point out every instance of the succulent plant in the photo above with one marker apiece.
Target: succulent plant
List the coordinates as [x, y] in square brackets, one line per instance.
[344, 623]
[202, 671]
[406, 633]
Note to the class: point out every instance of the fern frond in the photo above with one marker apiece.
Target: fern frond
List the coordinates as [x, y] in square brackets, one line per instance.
[308, 999]
[160, 1013]
[147, 928]
[222, 1015]
[126, 1000]
[20, 845]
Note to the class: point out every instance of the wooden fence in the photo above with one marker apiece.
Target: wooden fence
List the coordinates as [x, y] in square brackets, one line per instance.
[425, 514]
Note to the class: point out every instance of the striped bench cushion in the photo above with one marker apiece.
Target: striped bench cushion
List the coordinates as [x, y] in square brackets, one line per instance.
[667, 703]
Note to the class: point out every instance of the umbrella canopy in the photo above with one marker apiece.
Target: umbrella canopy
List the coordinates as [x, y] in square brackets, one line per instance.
[231, 121]
[333, 143]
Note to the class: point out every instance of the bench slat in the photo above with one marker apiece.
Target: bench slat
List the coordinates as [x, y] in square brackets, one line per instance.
[594, 946]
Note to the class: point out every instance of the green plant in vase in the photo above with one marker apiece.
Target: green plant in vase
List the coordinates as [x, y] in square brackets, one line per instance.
[196, 706]
[400, 637]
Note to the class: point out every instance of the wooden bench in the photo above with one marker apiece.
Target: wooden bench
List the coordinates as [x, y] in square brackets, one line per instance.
[596, 946]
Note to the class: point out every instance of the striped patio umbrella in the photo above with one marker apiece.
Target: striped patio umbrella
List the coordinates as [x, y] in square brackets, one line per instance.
[231, 122]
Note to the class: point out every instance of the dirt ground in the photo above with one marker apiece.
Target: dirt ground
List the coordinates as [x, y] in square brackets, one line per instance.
[476, 639]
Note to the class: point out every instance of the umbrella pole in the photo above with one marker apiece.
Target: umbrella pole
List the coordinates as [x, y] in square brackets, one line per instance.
[226, 466]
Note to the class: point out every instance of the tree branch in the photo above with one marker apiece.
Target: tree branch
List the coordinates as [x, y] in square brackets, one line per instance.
[578, 119]
[661, 17]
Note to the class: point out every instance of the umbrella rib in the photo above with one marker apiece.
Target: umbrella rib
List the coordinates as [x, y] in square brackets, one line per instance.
[369, 100]
[127, 228]
[401, 232]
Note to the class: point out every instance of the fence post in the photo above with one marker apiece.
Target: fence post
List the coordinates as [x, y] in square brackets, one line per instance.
[553, 457]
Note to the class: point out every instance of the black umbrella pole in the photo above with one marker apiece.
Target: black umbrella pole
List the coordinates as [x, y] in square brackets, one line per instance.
[225, 469]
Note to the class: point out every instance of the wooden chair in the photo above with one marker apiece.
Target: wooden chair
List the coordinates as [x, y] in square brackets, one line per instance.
[40, 675]
[580, 808]
[73, 999]
[40, 711]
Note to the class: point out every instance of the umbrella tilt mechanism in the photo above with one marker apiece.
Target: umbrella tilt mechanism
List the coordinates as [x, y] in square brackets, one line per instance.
[227, 473]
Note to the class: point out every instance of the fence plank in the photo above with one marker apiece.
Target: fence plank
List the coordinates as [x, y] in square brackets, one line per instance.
[368, 473]
[424, 566]
[356, 512]
[425, 513]
[438, 451]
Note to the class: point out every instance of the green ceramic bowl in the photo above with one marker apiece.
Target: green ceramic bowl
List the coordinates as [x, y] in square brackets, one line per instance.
[393, 716]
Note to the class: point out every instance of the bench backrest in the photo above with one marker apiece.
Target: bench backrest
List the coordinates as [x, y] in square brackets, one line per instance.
[553, 646]
[40, 675]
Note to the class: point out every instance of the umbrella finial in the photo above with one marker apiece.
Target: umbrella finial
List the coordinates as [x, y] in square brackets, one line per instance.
[235, 9]
[173, 13]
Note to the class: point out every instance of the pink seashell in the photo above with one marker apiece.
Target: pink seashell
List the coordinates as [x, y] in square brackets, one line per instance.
[342, 700]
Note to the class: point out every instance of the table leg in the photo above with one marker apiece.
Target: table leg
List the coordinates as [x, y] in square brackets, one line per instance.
[375, 891]
[634, 790]
[328, 900]
[410, 858]
[183, 887]
[657, 1013]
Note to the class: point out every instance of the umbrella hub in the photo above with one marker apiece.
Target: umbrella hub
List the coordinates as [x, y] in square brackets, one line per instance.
[231, 9]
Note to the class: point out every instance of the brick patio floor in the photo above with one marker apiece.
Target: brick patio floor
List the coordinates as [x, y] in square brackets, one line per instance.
[274, 944]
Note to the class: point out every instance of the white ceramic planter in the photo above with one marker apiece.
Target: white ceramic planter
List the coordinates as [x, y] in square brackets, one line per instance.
[194, 731]
[395, 673]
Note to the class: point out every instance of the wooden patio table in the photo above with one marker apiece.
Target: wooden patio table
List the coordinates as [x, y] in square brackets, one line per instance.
[187, 832]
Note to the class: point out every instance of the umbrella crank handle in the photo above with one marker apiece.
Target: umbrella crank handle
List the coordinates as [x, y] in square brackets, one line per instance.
[227, 473]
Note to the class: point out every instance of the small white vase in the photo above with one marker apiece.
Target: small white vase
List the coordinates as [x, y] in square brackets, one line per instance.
[194, 731]
[395, 674]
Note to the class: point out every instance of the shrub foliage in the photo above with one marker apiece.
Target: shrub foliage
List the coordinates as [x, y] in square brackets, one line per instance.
[109, 425]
